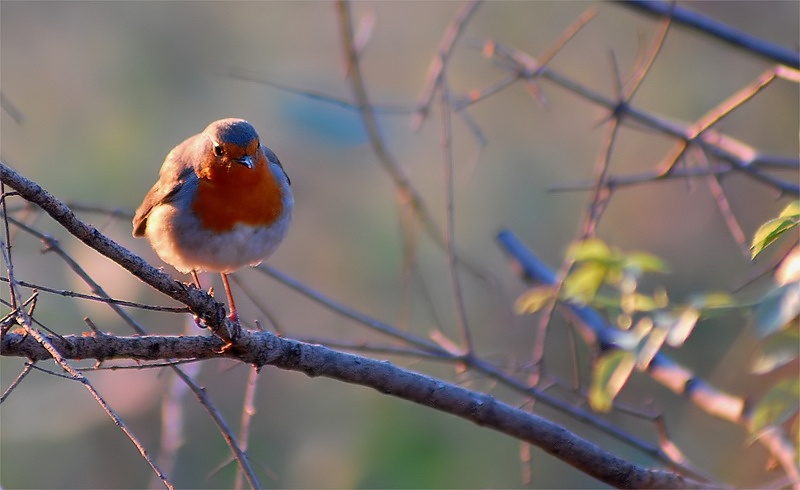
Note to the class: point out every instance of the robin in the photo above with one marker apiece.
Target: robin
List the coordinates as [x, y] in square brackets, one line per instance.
[222, 201]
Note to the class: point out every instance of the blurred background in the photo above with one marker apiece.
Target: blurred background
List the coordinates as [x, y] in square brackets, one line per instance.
[107, 89]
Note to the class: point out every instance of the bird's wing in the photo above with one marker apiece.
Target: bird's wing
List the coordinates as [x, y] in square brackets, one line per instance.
[173, 176]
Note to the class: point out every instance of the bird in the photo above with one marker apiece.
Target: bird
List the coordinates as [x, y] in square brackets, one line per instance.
[222, 201]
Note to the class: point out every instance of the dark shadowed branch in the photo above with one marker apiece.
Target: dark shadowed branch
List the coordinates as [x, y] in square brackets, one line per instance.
[716, 29]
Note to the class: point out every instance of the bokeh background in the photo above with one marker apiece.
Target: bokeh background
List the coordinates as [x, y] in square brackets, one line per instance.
[106, 89]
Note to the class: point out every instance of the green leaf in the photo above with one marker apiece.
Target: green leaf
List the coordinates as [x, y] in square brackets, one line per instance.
[712, 300]
[533, 299]
[639, 302]
[778, 350]
[644, 262]
[792, 209]
[581, 285]
[774, 228]
[661, 297]
[591, 249]
[777, 405]
[777, 309]
[611, 372]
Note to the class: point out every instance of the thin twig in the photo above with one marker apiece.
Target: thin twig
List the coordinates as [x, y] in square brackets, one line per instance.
[348, 312]
[717, 113]
[25, 371]
[734, 152]
[649, 58]
[140, 365]
[173, 420]
[248, 410]
[438, 66]
[24, 320]
[407, 194]
[250, 76]
[449, 178]
[373, 348]
[7, 241]
[724, 206]
[225, 429]
[254, 298]
[630, 180]
[532, 67]
[11, 110]
[100, 299]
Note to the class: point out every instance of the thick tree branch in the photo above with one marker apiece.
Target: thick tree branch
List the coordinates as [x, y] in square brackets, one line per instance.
[264, 348]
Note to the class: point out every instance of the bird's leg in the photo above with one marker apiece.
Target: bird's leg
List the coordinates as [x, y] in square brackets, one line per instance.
[233, 316]
[196, 279]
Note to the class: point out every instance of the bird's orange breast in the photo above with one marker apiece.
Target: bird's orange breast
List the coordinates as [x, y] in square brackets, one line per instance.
[229, 196]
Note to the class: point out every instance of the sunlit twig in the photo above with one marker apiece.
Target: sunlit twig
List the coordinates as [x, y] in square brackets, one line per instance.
[25, 371]
[449, 178]
[447, 44]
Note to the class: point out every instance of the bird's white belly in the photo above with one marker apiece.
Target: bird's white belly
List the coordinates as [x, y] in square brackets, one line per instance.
[182, 242]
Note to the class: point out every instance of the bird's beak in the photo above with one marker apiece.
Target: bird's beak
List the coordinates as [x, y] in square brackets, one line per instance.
[246, 160]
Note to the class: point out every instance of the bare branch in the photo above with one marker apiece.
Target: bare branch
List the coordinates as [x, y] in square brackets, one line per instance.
[439, 63]
[25, 371]
[248, 411]
[711, 27]
[739, 155]
[101, 299]
[407, 194]
[449, 178]
[372, 323]
[264, 348]
[434, 351]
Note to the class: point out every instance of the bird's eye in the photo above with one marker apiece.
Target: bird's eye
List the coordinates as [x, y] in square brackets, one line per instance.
[218, 150]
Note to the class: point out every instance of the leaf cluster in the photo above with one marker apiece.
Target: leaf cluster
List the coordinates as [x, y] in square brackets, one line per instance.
[608, 280]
